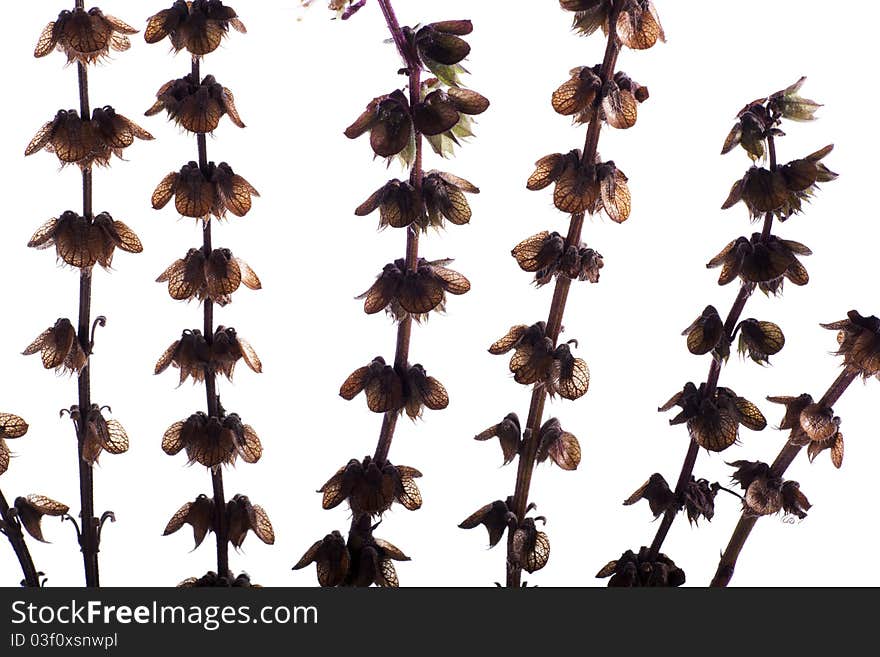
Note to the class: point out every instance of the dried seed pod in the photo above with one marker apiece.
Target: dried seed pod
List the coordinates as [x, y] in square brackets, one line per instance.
[531, 548]
[195, 25]
[441, 48]
[791, 105]
[560, 446]
[227, 348]
[569, 376]
[212, 441]
[380, 382]
[834, 443]
[793, 408]
[794, 502]
[631, 570]
[620, 101]
[389, 121]
[759, 340]
[614, 192]
[748, 471]
[84, 36]
[699, 499]
[509, 435]
[214, 278]
[660, 497]
[59, 348]
[638, 26]
[399, 205]
[31, 509]
[331, 557]
[444, 198]
[763, 497]
[11, 426]
[242, 517]
[372, 558]
[765, 262]
[199, 514]
[402, 291]
[819, 422]
[578, 96]
[81, 243]
[99, 434]
[858, 338]
[421, 390]
[496, 517]
[196, 106]
[706, 332]
[372, 487]
[201, 194]
[191, 354]
[713, 421]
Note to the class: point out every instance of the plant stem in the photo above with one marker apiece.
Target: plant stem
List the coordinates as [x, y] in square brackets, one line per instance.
[89, 531]
[526, 464]
[213, 400]
[744, 527]
[12, 529]
[690, 459]
[404, 330]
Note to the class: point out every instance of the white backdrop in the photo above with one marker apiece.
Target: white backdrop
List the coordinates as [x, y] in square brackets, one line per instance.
[298, 84]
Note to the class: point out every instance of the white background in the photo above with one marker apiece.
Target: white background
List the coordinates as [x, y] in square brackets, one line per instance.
[298, 84]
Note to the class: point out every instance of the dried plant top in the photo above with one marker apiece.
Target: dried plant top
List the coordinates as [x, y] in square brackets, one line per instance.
[197, 26]
[84, 36]
[85, 142]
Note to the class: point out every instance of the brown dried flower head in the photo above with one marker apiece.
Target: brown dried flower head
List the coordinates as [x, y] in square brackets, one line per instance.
[583, 94]
[399, 205]
[766, 493]
[546, 255]
[82, 243]
[536, 361]
[444, 116]
[531, 548]
[31, 509]
[387, 119]
[242, 517]
[765, 262]
[99, 434]
[372, 558]
[403, 292]
[331, 557]
[819, 430]
[657, 492]
[582, 187]
[194, 356]
[212, 441]
[713, 421]
[632, 570]
[858, 338]
[699, 499]
[706, 333]
[211, 579]
[84, 36]
[197, 26]
[196, 106]
[87, 141]
[199, 514]
[214, 278]
[759, 340]
[509, 435]
[558, 445]
[201, 194]
[380, 382]
[11, 426]
[371, 487]
[496, 517]
[59, 348]
[783, 191]
[422, 391]
[793, 408]
[637, 25]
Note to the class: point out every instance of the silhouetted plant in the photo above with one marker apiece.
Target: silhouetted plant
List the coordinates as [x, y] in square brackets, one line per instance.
[437, 110]
[810, 424]
[712, 413]
[206, 191]
[583, 183]
[87, 138]
[26, 512]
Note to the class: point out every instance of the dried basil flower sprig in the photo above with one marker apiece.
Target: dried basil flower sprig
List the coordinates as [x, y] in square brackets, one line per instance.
[582, 183]
[88, 138]
[811, 424]
[207, 191]
[435, 108]
[712, 413]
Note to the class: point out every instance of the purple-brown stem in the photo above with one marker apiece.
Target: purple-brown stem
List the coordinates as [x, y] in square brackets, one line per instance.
[529, 451]
[12, 528]
[89, 531]
[213, 400]
[690, 459]
[727, 563]
[404, 330]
